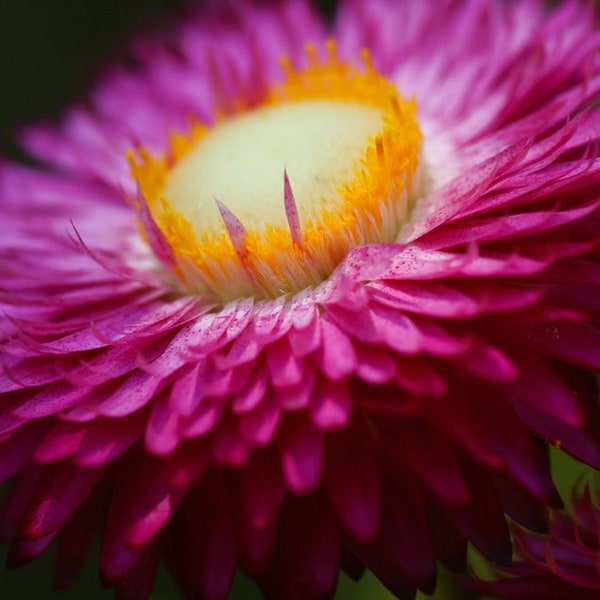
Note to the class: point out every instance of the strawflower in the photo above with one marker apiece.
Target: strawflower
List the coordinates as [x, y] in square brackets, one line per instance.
[291, 297]
[564, 563]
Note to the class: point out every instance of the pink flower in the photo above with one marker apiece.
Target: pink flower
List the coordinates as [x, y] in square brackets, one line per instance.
[564, 563]
[396, 399]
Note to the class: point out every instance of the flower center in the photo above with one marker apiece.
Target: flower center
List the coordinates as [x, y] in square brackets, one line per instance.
[268, 201]
[241, 163]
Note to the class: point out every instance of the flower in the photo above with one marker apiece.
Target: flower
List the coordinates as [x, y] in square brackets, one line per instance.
[564, 563]
[223, 384]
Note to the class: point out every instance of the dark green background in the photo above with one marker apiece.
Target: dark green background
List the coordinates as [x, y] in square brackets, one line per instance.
[51, 49]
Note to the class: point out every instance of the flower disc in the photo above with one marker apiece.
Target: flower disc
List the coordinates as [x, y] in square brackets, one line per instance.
[269, 200]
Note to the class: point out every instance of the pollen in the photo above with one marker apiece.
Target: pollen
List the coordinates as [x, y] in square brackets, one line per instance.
[268, 200]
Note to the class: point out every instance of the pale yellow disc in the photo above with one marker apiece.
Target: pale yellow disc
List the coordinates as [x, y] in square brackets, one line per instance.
[241, 163]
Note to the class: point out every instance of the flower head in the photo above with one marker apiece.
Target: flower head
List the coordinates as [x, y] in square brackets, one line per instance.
[295, 316]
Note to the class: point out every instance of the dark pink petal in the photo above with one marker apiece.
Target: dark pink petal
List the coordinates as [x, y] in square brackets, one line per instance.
[62, 441]
[51, 399]
[107, 439]
[331, 407]
[351, 479]
[230, 447]
[554, 564]
[18, 449]
[118, 558]
[140, 581]
[376, 365]
[60, 493]
[204, 543]
[156, 238]
[187, 390]
[162, 432]
[133, 393]
[336, 357]
[76, 537]
[253, 393]
[149, 502]
[16, 501]
[301, 446]
[23, 551]
[313, 541]
[400, 495]
[285, 367]
[260, 425]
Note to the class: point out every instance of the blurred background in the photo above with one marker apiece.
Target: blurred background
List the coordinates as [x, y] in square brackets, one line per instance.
[50, 51]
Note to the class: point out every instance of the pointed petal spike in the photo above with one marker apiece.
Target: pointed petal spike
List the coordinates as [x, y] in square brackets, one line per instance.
[291, 210]
[237, 235]
[235, 229]
[156, 238]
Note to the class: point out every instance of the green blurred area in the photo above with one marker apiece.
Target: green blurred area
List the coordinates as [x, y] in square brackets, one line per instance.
[33, 582]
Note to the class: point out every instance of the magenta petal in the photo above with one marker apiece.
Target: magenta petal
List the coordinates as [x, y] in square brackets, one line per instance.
[51, 399]
[23, 551]
[482, 522]
[107, 439]
[285, 368]
[230, 446]
[259, 426]
[352, 481]
[151, 509]
[302, 449]
[559, 563]
[76, 537]
[299, 396]
[204, 542]
[16, 501]
[418, 566]
[162, 432]
[61, 491]
[314, 540]
[558, 400]
[134, 393]
[186, 392]
[262, 494]
[140, 581]
[337, 358]
[19, 449]
[117, 558]
[307, 339]
[156, 238]
[263, 489]
[332, 406]
[249, 398]
[62, 441]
